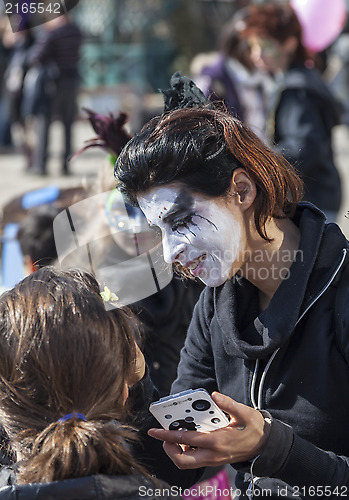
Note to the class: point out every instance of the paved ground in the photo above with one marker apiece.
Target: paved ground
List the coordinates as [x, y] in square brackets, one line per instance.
[15, 181]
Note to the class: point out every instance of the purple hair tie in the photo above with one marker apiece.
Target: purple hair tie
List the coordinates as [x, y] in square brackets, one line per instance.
[72, 415]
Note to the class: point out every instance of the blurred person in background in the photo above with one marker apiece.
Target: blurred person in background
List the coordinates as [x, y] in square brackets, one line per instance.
[56, 52]
[5, 125]
[18, 45]
[36, 237]
[232, 77]
[337, 71]
[165, 315]
[303, 111]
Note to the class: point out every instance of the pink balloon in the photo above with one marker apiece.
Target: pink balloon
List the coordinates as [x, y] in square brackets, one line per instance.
[322, 21]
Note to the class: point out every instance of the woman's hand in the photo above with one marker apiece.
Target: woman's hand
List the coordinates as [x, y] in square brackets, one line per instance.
[243, 438]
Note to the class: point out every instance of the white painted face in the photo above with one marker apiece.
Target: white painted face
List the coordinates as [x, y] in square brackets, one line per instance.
[198, 232]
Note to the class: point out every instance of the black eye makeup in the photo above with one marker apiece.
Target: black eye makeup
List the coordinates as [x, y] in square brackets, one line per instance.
[183, 222]
[181, 214]
[187, 221]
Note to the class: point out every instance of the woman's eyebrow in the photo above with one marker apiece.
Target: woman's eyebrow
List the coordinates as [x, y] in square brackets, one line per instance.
[173, 214]
[183, 205]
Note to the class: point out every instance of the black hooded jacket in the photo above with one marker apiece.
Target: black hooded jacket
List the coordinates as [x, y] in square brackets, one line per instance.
[290, 360]
[165, 317]
[99, 487]
[304, 114]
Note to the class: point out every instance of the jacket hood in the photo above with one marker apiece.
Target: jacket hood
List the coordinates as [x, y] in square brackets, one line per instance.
[310, 80]
[99, 487]
[249, 334]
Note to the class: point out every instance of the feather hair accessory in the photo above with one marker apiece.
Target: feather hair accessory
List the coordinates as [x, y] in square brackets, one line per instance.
[183, 94]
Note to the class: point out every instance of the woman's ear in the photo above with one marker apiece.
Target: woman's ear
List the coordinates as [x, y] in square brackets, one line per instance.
[243, 187]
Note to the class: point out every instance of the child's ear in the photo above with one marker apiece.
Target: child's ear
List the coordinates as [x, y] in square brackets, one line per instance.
[29, 266]
[243, 187]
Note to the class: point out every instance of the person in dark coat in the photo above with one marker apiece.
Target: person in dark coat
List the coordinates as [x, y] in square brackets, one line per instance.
[57, 52]
[270, 330]
[66, 369]
[165, 311]
[303, 111]
[36, 238]
[18, 46]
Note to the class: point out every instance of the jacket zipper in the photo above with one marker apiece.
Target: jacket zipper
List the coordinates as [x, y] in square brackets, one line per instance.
[258, 406]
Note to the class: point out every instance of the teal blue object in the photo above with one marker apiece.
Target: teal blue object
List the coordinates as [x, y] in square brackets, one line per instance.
[41, 196]
[11, 258]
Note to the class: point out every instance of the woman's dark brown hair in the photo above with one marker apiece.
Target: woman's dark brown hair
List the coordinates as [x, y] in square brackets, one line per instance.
[200, 148]
[232, 43]
[61, 352]
[279, 22]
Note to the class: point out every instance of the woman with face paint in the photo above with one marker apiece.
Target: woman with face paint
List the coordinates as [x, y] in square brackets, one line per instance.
[263, 332]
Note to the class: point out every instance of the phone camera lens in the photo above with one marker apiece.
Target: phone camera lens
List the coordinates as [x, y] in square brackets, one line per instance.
[188, 419]
[168, 416]
[201, 405]
[187, 411]
[182, 424]
[215, 420]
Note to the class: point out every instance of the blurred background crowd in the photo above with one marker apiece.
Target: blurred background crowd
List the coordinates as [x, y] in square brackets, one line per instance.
[114, 56]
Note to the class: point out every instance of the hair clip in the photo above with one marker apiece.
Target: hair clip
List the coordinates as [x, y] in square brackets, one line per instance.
[108, 296]
[72, 415]
[216, 153]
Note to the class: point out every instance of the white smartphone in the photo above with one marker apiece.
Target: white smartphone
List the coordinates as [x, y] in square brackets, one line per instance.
[192, 410]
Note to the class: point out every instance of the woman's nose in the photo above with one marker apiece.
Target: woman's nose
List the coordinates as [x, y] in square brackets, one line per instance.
[173, 250]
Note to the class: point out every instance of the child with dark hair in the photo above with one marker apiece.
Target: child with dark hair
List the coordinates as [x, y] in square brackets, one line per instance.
[36, 237]
[66, 366]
